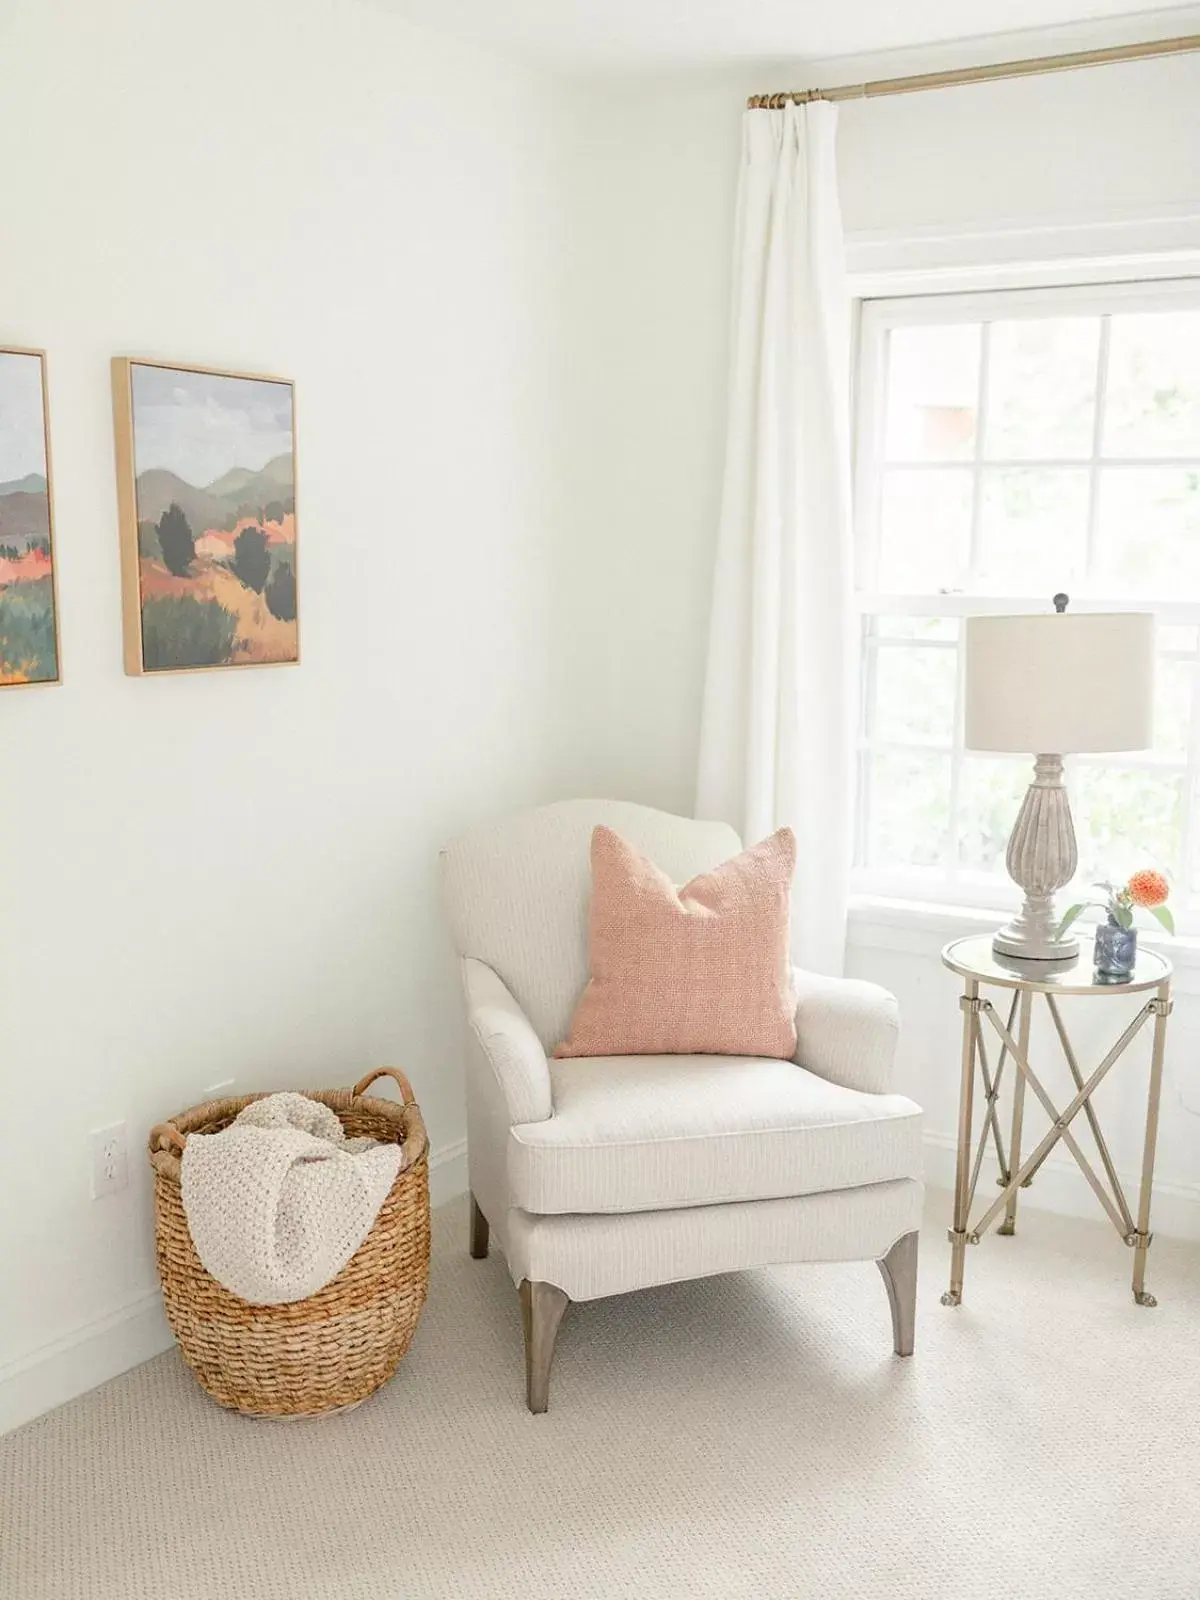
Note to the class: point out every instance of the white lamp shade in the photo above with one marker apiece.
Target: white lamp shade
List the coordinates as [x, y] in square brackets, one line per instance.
[1055, 683]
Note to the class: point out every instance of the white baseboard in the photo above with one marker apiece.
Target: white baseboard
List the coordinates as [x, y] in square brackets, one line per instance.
[1061, 1187]
[106, 1346]
[81, 1359]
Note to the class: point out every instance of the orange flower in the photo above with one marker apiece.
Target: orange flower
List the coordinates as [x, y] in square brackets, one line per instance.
[1148, 888]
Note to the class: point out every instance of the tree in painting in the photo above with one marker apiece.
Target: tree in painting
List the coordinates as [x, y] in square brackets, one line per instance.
[216, 519]
[252, 558]
[281, 592]
[175, 542]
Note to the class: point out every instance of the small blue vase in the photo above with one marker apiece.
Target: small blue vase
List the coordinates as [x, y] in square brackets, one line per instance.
[1116, 952]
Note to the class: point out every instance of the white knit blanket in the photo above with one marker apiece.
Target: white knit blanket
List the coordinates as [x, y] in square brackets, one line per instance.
[279, 1201]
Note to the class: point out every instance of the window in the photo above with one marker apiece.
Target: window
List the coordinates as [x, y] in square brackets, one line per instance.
[1010, 445]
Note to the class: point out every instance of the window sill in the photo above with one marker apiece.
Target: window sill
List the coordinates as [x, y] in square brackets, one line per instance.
[922, 927]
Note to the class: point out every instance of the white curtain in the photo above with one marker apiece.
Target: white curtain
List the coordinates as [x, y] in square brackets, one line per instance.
[777, 738]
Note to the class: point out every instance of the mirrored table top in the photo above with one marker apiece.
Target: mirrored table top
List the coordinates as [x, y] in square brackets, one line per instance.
[974, 957]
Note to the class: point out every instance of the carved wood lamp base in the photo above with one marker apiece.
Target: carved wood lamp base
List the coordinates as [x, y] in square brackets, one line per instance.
[1042, 857]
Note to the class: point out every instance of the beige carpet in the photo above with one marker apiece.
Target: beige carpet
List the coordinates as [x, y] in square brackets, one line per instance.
[744, 1436]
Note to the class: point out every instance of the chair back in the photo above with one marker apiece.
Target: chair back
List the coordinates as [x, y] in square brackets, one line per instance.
[517, 893]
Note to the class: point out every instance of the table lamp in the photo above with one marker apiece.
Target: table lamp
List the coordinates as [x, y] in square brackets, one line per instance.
[1054, 685]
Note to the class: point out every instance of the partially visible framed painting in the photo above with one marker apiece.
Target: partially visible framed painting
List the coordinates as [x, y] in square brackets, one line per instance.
[29, 650]
[206, 484]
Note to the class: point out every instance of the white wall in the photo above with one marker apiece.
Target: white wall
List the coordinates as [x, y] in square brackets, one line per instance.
[233, 874]
[1107, 157]
[505, 309]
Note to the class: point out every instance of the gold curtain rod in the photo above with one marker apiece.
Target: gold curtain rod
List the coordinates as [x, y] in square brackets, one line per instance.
[1005, 69]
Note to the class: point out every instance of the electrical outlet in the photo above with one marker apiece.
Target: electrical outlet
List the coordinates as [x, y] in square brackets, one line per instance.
[110, 1160]
[219, 1091]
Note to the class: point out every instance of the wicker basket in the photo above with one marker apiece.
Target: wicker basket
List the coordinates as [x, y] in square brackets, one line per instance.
[330, 1351]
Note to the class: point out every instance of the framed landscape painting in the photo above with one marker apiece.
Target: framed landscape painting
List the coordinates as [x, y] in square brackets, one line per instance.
[28, 599]
[206, 483]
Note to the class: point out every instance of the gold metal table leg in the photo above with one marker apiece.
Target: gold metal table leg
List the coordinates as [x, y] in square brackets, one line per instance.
[1162, 1010]
[1009, 1225]
[1089, 1111]
[1061, 1120]
[962, 1176]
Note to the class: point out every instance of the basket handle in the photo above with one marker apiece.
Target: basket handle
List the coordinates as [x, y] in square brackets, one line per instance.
[166, 1133]
[407, 1097]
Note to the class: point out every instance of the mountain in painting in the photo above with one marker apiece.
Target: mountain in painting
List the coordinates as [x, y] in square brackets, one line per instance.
[232, 483]
[220, 501]
[31, 483]
[158, 488]
[278, 471]
[240, 486]
[24, 513]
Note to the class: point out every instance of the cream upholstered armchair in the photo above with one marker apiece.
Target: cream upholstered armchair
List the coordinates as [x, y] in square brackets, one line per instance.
[602, 1174]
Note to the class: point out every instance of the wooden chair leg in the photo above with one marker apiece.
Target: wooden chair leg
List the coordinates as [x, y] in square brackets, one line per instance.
[479, 1231]
[542, 1307]
[899, 1272]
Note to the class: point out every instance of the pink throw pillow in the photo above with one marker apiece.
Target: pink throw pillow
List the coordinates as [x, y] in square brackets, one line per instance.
[702, 970]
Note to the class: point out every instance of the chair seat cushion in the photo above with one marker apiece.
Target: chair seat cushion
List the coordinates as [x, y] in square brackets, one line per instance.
[645, 1133]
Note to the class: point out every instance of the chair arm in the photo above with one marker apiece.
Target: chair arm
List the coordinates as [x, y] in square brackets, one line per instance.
[508, 1043]
[846, 1030]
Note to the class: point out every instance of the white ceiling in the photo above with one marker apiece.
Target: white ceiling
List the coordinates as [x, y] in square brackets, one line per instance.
[637, 36]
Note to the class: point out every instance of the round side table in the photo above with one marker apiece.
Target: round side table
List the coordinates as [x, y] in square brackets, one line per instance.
[974, 960]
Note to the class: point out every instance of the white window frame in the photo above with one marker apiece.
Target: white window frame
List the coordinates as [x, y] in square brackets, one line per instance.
[947, 885]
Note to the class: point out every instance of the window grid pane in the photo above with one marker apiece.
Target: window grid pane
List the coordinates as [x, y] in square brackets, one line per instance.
[1064, 471]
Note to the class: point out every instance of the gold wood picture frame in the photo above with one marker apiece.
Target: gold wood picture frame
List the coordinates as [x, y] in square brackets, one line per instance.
[30, 648]
[206, 492]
